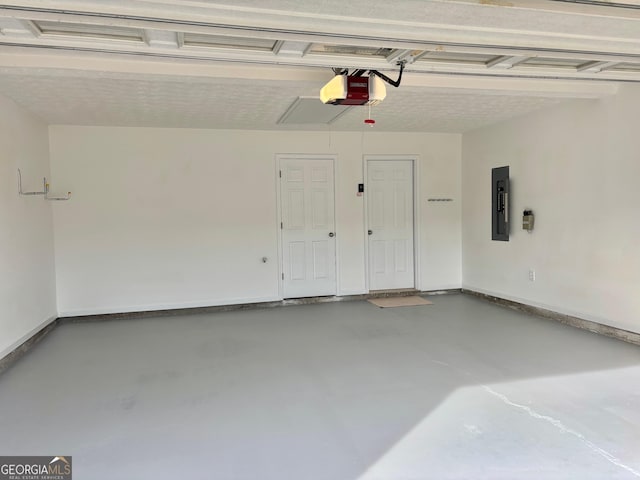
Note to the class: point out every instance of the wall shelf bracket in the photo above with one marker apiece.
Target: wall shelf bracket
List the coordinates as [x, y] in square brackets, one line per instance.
[44, 192]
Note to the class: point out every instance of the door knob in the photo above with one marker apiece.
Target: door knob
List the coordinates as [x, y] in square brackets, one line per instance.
[369, 232]
[331, 234]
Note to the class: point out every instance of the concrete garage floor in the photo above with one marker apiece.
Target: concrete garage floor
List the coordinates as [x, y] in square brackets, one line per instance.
[461, 389]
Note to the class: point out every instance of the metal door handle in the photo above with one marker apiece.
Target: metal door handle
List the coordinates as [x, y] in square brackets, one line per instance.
[331, 234]
[369, 232]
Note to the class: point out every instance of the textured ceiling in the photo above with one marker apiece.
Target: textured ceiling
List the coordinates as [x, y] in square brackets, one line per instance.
[136, 100]
[469, 63]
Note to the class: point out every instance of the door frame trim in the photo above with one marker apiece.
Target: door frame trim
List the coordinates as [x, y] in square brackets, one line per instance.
[279, 157]
[415, 160]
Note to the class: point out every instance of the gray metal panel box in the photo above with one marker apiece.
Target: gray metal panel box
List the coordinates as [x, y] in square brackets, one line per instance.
[500, 204]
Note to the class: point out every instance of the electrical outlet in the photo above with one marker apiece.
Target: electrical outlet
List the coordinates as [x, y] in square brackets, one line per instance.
[532, 275]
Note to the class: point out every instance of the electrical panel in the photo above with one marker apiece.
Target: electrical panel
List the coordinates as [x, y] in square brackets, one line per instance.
[500, 204]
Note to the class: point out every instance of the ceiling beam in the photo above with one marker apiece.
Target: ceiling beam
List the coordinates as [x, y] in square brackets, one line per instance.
[142, 51]
[403, 44]
[493, 24]
[63, 63]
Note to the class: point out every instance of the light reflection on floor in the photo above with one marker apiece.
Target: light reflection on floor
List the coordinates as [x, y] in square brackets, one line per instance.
[564, 427]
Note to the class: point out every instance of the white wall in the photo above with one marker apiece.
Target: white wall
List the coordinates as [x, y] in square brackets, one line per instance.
[27, 281]
[577, 166]
[166, 218]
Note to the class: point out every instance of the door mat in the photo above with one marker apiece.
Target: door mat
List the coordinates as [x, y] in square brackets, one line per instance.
[399, 301]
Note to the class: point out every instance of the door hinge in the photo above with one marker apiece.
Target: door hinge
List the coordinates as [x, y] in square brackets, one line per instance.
[283, 275]
[281, 226]
[280, 173]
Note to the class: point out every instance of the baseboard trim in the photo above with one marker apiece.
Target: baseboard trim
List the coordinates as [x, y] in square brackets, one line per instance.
[30, 342]
[577, 322]
[444, 291]
[100, 317]
[118, 310]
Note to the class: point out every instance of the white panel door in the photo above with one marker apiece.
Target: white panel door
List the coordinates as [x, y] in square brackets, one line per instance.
[308, 229]
[390, 224]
